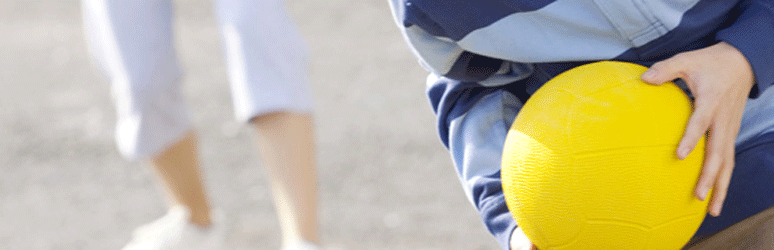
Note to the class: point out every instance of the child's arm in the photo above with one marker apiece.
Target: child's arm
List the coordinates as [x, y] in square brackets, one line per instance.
[474, 135]
[444, 57]
[722, 77]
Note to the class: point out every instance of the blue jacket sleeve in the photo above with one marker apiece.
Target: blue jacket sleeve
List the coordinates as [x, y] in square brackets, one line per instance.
[490, 202]
[753, 34]
[473, 122]
[440, 54]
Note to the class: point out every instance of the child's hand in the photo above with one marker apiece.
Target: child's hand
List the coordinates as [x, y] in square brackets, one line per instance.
[519, 241]
[720, 78]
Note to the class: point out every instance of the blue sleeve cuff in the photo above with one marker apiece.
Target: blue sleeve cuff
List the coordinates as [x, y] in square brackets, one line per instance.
[753, 35]
[498, 219]
[490, 202]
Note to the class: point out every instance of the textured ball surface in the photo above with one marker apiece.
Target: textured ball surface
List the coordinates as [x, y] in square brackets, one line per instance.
[590, 163]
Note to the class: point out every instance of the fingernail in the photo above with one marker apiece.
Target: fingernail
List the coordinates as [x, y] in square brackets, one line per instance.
[702, 194]
[715, 212]
[682, 153]
[649, 75]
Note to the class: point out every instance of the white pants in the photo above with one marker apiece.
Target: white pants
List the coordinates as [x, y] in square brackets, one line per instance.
[132, 41]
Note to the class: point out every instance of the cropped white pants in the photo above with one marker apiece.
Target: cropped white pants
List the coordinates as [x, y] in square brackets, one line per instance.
[132, 42]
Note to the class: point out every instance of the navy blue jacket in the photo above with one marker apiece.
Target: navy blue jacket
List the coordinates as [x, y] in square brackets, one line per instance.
[473, 47]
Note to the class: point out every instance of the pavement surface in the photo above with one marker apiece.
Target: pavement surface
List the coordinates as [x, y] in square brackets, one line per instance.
[386, 182]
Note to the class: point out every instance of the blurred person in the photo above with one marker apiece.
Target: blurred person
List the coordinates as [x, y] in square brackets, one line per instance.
[132, 41]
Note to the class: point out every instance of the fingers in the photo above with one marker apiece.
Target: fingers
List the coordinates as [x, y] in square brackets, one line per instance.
[718, 166]
[712, 164]
[666, 70]
[723, 180]
[721, 187]
[721, 92]
[714, 158]
[696, 128]
[719, 159]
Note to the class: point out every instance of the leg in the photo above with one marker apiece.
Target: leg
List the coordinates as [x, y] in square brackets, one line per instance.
[132, 41]
[286, 144]
[267, 64]
[177, 169]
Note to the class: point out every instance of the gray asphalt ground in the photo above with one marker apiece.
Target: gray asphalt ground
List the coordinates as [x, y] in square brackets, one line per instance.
[385, 180]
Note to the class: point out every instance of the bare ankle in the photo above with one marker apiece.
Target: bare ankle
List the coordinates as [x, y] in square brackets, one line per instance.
[201, 219]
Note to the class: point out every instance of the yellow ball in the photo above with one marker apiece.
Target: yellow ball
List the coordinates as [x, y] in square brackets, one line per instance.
[590, 163]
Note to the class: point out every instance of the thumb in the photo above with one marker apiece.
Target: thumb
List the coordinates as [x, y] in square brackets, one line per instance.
[665, 71]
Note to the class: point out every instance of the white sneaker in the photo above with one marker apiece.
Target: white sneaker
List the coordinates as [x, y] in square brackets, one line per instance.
[302, 245]
[174, 231]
